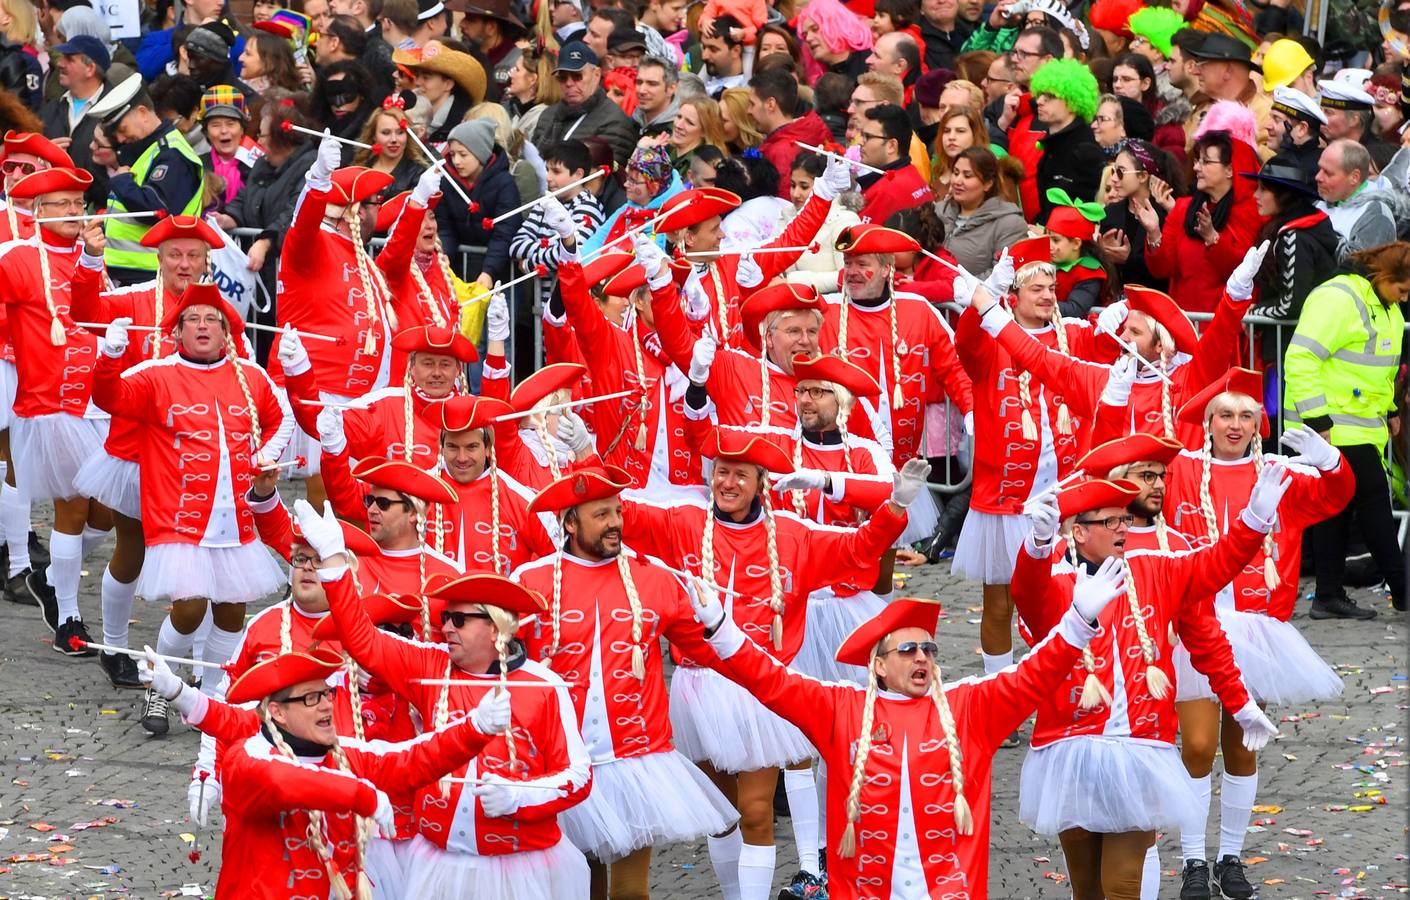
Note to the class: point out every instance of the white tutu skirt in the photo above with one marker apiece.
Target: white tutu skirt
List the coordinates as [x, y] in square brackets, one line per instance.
[386, 868]
[240, 574]
[831, 619]
[49, 450]
[561, 871]
[1104, 784]
[921, 517]
[658, 798]
[1277, 663]
[988, 547]
[115, 483]
[715, 720]
[9, 381]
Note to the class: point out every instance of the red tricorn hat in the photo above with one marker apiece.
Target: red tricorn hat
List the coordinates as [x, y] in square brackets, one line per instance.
[465, 412]
[1235, 381]
[1167, 312]
[38, 146]
[203, 293]
[172, 227]
[746, 447]
[851, 376]
[263, 680]
[1031, 250]
[875, 239]
[353, 184]
[907, 612]
[382, 609]
[51, 181]
[692, 207]
[436, 340]
[357, 541]
[391, 210]
[779, 297]
[1133, 448]
[603, 267]
[624, 282]
[488, 589]
[545, 381]
[1097, 493]
[581, 486]
[405, 478]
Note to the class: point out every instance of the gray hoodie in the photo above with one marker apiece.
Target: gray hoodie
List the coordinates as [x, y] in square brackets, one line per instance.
[976, 241]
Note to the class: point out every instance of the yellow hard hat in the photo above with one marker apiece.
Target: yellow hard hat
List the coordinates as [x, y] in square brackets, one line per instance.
[1285, 60]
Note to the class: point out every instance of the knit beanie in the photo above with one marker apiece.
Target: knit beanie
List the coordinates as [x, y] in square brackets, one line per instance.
[477, 136]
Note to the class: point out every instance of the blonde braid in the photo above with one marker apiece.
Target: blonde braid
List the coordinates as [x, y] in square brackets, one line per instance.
[964, 818]
[441, 716]
[1206, 503]
[255, 438]
[441, 528]
[1064, 416]
[763, 376]
[721, 301]
[1094, 693]
[1166, 412]
[556, 607]
[1162, 532]
[644, 404]
[408, 414]
[898, 349]
[1025, 402]
[775, 579]
[427, 298]
[1270, 568]
[1157, 682]
[157, 320]
[550, 452]
[634, 600]
[501, 644]
[842, 325]
[286, 627]
[707, 548]
[847, 847]
[369, 344]
[57, 336]
[500, 563]
[13, 221]
[354, 696]
[362, 829]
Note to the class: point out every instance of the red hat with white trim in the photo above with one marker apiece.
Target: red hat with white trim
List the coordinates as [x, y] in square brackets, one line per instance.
[37, 145]
[1163, 309]
[1031, 250]
[51, 181]
[357, 541]
[1235, 381]
[603, 267]
[436, 340]
[781, 297]
[203, 293]
[689, 208]
[854, 378]
[353, 184]
[907, 612]
[742, 446]
[265, 679]
[1097, 493]
[559, 376]
[382, 609]
[581, 486]
[391, 209]
[170, 228]
[465, 412]
[1133, 448]
[625, 282]
[488, 589]
[868, 238]
[404, 478]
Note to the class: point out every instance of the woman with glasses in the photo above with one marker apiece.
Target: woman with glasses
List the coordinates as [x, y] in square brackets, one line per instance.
[1140, 175]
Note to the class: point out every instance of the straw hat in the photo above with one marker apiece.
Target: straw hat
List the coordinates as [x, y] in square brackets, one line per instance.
[462, 68]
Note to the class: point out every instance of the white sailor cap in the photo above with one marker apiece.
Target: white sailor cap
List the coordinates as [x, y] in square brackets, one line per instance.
[119, 101]
[1340, 95]
[1353, 77]
[1296, 105]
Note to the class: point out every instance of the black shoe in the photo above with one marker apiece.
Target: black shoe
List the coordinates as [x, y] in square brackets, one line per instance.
[1013, 740]
[38, 553]
[16, 592]
[1229, 876]
[37, 586]
[154, 713]
[1338, 608]
[72, 638]
[804, 886]
[121, 670]
[1194, 881]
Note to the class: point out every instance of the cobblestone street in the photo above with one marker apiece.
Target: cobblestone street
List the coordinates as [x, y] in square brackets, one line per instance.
[92, 806]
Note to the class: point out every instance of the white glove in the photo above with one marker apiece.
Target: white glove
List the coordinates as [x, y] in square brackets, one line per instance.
[1311, 448]
[705, 600]
[1001, 276]
[498, 798]
[1111, 318]
[200, 802]
[1093, 592]
[909, 482]
[322, 533]
[426, 186]
[555, 216]
[1044, 517]
[748, 275]
[330, 157]
[801, 480]
[573, 432]
[652, 260]
[115, 340]
[158, 676]
[836, 179]
[969, 424]
[966, 283]
[385, 817]
[702, 357]
[491, 717]
[1268, 491]
[293, 357]
[330, 430]
[1258, 729]
[697, 302]
[1119, 381]
[1240, 284]
[497, 318]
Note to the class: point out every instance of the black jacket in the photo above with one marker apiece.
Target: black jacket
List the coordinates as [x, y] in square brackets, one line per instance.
[459, 105]
[20, 73]
[1133, 271]
[943, 48]
[55, 116]
[1072, 160]
[598, 116]
[267, 200]
[1303, 255]
[495, 192]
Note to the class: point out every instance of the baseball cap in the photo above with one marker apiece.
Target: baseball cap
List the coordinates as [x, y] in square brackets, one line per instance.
[89, 46]
[574, 56]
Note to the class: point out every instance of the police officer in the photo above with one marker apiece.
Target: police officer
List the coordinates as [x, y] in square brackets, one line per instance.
[159, 173]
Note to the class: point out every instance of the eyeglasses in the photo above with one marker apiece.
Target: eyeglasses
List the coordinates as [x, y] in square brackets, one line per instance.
[872, 137]
[908, 648]
[201, 320]
[989, 79]
[1103, 119]
[568, 76]
[1202, 162]
[304, 560]
[76, 204]
[313, 698]
[12, 166]
[383, 503]
[458, 618]
[1110, 523]
[1149, 476]
[812, 393]
[1121, 171]
[1018, 53]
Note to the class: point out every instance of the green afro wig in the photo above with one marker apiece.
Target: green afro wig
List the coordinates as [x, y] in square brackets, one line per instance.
[1157, 25]
[1071, 82]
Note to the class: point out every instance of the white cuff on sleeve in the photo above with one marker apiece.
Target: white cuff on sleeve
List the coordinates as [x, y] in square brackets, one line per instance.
[332, 573]
[727, 639]
[1076, 630]
[91, 261]
[265, 505]
[994, 320]
[1252, 520]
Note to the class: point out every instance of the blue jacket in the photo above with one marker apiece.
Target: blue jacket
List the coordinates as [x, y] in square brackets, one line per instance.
[495, 192]
[600, 236]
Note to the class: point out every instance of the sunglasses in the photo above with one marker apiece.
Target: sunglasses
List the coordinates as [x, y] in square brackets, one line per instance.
[459, 618]
[313, 698]
[15, 165]
[908, 648]
[383, 503]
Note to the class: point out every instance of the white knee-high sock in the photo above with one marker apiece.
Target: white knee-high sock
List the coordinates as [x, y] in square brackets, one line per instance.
[756, 871]
[803, 810]
[724, 857]
[117, 608]
[996, 662]
[65, 564]
[1236, 794]
[92, 537]
[1192, 832]
[14, 510]
[1150, 875]
[220, 646]
[171, 642]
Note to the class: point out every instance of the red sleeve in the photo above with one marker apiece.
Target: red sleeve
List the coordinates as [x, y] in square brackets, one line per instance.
[360, 430]
[300, 387]
[301, 240]
[131, 395]
[800, 232]
[275, 527]
[1109, 423]
[1210, 652]
[682, 629]
[85, 299]
[1315, 498]
[1080, 383]
[272, 785]
[419, 761]
[648, 529]
[863, 492]
[1218, 348]
[1011, 695]
[396, 661]
[228, 724]
[831, 555]
[496, 384]
[344, 491]
[975, 348]
[1204, 572]
[1038, 596]
[677, 340]
[396, 254]
[566, 761]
